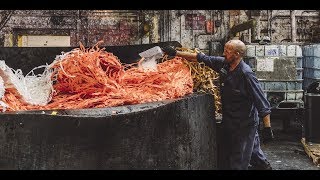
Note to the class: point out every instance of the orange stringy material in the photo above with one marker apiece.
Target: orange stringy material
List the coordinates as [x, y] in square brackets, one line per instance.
[94, 78]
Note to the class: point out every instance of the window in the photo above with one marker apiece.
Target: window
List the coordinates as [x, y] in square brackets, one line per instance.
[43, 41]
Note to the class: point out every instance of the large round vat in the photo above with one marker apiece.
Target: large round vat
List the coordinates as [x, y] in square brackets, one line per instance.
[173, 134]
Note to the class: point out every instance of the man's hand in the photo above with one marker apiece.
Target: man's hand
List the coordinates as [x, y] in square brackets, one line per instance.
[267, 134]
[169, 51]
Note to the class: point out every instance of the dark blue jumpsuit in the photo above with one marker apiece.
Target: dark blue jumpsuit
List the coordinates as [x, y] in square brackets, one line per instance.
[243, 102]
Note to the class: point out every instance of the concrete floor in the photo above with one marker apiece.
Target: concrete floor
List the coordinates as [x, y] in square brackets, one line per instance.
[286, 152]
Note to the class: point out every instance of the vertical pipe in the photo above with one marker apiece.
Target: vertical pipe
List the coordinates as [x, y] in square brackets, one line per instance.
[169, 25]
[270, 26]
[293, 26]
[211, 19]
[219, 28]
[226, 27]
[161, 26]
[155, 28]
[78, 26]
[219, 18]
[140, 24]
[165, 27]
[192, 34]
[268, 23]
[88, 27]
[258, 28]
[180, 26]
[254, 30]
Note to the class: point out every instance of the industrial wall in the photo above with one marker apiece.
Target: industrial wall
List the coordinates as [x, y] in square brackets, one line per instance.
[192, 28]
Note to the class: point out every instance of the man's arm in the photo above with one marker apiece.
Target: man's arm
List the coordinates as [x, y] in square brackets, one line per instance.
[258, 97]
[262, 105]
[187, 55]
[214, 62]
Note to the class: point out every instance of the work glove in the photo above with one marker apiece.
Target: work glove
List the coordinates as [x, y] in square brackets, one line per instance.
[169, 51]
[267, 134]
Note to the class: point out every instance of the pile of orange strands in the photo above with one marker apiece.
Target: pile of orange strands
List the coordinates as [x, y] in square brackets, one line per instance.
[93, 78]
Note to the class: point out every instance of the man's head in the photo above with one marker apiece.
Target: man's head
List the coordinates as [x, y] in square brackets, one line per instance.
[234, 50]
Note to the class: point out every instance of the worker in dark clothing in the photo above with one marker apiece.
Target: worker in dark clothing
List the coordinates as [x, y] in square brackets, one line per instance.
[243, 103]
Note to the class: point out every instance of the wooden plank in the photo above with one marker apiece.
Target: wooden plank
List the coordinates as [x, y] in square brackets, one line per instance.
[313, 151]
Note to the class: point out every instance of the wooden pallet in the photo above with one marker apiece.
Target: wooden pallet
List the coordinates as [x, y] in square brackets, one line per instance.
[313, 151]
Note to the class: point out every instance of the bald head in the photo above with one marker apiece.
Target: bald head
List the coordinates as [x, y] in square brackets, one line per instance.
[237, 46]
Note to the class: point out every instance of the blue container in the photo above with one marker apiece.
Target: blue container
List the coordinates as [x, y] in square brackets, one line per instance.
[306, 51]
[311, 62]
[307, 81]
[310, 72]
[311, 50]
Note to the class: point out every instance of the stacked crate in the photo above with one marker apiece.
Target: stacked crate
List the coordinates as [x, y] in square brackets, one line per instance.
[279, 70]
[311, 64]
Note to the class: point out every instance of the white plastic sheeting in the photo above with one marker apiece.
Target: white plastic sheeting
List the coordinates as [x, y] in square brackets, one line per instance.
[2, 91]
[35, 89]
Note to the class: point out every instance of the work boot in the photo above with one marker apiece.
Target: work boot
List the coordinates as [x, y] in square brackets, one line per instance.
[260, 166]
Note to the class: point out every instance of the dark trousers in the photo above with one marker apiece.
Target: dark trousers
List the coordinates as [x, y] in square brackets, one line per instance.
[240, 146]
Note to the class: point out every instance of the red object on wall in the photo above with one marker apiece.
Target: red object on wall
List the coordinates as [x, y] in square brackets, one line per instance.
[195, 21]
[210, 26]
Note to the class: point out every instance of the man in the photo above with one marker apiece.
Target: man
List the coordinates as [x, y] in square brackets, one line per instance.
[243, 102]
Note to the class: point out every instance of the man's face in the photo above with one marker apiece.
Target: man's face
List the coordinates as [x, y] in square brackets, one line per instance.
[229, 53]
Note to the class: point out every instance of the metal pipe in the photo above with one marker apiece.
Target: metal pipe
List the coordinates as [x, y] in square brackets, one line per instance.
[269, 26]
[154, 35]
[169, 25]
[78, 22]
[180, 26]
[258, 28]
[293, 26]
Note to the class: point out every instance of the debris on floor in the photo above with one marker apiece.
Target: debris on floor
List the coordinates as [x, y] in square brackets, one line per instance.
[286, 151]
[313, 150]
